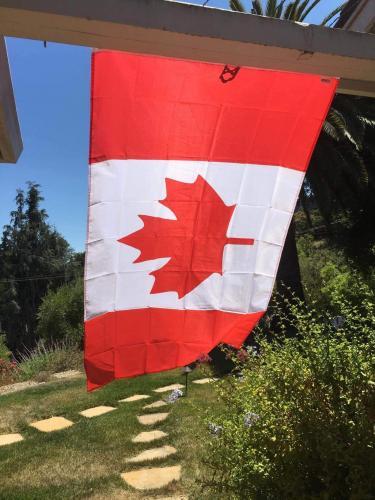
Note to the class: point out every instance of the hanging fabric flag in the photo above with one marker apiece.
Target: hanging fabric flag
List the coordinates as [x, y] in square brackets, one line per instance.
[193, 183]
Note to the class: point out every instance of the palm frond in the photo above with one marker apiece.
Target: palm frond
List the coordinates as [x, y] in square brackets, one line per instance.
[308, 10]
[257, 8]
[271, 8]
[356, 166]
[293, 11]
[338, 177]
[331, 131]
[279, 9]
[366, 106]
[352, 175]
[367, 121]
[355, 128]
[337, 120]
[288, 10]
[333, 14]
[301, 8]
[236, 5]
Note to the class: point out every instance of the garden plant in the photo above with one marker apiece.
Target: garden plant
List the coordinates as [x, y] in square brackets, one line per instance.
[297, 420]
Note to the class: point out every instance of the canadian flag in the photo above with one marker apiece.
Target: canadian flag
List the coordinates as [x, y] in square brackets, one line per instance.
[193, 183]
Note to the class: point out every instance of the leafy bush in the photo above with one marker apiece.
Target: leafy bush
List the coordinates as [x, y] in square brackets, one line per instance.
[329, 277]
[44, 360]
[313, 256]
[299, 421]
[60, 315]
[4, 351]
[342, 285]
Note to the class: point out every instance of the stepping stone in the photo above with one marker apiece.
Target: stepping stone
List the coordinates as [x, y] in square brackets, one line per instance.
[136, 397]
[171, 387]
[178, 497]
[147, 437]
[204, 380]
[157, 404]
[151, 419]
[10, 438]
[19, 386]
[52, 424]
[151, 479]
[96, 411]
[153, 454]
[67, 374]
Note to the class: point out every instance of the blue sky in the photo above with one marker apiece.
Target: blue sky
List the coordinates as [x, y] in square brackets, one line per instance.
[52, 88]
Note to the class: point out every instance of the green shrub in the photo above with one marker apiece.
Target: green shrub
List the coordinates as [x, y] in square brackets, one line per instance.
[44, 360]
[299, 422]
[344, 285]
[5, 353]
[328, 277]
[60, 315]
[313, 256]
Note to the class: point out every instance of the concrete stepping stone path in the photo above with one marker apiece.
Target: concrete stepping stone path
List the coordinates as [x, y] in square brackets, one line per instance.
[205, 381]
[10, 439]
[147, 437]
[178, 497]
[152, 418]
[153, 454]
[171, 387]
[67, 374]
[52, 424]
[136, 397]
[18, 386]
[152, 478]
[96, 411]
[156, 404]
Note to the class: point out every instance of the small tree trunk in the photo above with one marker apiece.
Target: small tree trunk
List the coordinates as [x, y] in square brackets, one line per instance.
[288, 279]
[305, 210]
[289, 273]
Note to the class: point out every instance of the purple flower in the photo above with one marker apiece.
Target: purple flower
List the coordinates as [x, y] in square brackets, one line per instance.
[250, 419]
[242, 355]
[174, 395]
[204, 358]
[215, 429]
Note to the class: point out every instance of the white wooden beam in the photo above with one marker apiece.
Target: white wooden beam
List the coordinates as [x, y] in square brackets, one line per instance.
[191, 32]
[10, 135]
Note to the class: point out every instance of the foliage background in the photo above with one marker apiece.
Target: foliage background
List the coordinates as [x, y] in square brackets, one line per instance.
[298, 421]
[60, 315]
[34, 259]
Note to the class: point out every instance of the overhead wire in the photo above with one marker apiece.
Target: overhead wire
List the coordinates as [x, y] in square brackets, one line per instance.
[34, 278]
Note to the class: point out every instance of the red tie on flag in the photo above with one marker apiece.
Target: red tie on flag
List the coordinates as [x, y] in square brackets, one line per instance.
[193, 184]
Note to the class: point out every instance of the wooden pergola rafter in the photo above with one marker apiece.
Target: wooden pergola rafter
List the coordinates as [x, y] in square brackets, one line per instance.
[186, 31]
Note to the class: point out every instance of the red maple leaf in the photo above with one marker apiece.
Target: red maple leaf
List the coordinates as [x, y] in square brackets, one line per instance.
[194, 241]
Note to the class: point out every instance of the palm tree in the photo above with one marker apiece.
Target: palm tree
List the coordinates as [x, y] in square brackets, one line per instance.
[340, 180]
[294, 10]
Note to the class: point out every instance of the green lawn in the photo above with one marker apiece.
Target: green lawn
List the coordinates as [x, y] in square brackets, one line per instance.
[85, 460]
